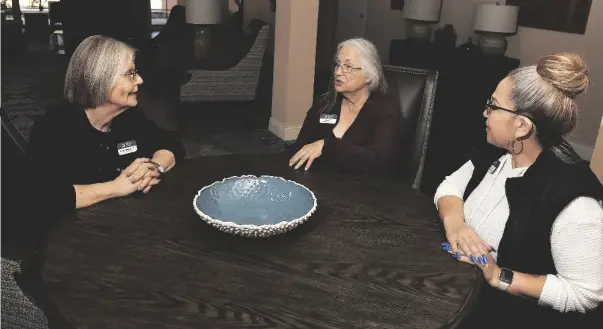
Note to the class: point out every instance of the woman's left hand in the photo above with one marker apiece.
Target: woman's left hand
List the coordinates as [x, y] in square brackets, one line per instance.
[485, 262]
[307, 154]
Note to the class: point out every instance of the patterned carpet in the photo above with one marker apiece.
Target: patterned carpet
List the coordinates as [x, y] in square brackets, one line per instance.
[33, 82]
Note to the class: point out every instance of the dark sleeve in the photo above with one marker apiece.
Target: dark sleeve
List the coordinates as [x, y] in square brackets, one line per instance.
[158, 138]
[380, 155]
[308, 130]
[47, 176]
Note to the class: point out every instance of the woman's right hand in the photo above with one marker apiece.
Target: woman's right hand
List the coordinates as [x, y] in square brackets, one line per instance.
[123, 185]
[129, 180]
[464, 240]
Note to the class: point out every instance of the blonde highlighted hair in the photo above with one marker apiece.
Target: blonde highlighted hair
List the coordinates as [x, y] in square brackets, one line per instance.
[547, 92]
[94, 68]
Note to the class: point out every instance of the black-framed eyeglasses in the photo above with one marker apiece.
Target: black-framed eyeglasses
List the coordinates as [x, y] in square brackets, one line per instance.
[490, 106]
[345, 68]
[132, 73]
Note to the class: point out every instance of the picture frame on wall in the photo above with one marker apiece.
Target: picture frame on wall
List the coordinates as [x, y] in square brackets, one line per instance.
[570, 16]
[397, 4]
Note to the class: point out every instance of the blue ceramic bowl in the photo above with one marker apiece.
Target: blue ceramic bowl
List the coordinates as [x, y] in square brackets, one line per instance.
[255, 206]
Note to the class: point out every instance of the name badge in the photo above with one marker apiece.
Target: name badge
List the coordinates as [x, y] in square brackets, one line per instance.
[126, 147]
[494, 166]
[328, 118]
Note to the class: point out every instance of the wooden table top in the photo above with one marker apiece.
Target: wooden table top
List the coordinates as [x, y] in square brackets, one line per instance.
[369, 257]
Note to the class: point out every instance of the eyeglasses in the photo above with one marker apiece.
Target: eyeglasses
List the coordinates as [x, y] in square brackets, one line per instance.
[132, 73]
[490, 107]
[345, 68]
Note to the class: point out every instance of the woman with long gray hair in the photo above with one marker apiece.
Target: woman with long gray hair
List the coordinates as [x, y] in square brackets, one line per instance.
[97, 140]
[529, 214]
[354, 125]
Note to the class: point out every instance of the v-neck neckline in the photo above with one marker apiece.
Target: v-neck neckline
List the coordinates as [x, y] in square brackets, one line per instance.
[340, 103]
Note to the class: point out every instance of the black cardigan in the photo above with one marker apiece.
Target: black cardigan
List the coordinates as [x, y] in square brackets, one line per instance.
[535, 201]
[371, 143]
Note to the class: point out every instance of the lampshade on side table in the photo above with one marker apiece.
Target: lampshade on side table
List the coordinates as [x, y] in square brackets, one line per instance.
[421, 14]
[493, 22]
[203, 14]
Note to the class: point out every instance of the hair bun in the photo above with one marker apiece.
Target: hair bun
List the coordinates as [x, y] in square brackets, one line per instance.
[566, 71]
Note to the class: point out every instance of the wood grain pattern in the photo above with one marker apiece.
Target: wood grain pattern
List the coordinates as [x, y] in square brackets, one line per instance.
[368, 258]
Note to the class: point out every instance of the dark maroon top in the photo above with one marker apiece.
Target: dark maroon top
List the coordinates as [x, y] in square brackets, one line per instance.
[370, 143]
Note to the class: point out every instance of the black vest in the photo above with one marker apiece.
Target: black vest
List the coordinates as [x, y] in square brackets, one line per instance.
[535, 201]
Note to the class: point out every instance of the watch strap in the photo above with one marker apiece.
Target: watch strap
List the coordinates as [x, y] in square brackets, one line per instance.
[503, 285]
[159, 167]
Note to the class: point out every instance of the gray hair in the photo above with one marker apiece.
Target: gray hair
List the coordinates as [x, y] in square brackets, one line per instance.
[369, 61]
[94, 68]
[546, 92]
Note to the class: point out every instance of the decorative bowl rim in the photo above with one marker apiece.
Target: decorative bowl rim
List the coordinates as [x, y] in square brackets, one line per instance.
[253, 226]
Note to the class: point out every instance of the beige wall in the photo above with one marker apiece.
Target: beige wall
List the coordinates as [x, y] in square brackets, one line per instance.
[295, 50]
[530, 44]
[597, 161]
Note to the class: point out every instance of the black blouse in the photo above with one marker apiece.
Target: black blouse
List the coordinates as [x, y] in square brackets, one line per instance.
[371, 143]
[64, 145]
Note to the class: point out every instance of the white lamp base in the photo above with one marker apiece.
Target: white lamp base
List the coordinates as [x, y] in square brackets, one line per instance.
[492, 44]
[419, 31]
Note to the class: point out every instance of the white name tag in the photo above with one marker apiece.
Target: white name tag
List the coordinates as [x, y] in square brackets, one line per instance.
[127, 147]
[328, 118]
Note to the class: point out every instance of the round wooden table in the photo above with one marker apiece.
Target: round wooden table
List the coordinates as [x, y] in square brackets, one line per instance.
[368, 258]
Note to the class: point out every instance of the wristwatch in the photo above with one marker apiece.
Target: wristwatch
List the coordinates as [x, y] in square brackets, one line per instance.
[159, 167]
[505, 278]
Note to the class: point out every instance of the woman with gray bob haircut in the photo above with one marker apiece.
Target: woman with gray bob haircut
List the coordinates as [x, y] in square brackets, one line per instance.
[528, 212]
[97, 140]
[354, 125]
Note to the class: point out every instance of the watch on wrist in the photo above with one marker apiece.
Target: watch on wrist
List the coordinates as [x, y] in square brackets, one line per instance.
[505, 278]
[159, 167]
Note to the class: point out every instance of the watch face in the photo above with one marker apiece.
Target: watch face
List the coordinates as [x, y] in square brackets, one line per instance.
[506, 275]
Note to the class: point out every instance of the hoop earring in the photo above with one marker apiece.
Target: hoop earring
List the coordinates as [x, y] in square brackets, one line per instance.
[513, 148]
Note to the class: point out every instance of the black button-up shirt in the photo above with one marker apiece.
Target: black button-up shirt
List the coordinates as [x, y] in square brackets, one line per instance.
[63, 144]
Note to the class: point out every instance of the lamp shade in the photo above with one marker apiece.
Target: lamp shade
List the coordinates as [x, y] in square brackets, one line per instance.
[204, 11]
[423, 10]
[496, 18]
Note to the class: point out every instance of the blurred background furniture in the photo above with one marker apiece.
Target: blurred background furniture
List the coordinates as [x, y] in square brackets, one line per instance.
[55, 14]
[233, 77]
[125, 20]
[205, 17]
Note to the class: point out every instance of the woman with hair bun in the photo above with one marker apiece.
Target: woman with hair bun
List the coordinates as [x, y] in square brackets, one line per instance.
[529, 215]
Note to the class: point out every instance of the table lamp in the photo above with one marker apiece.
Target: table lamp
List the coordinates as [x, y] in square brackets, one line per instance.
[493, 22]
[203, 14]
[420, 14]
